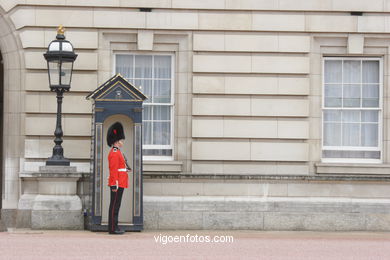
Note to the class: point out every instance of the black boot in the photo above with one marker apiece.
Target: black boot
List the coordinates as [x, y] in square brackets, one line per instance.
[117, 232]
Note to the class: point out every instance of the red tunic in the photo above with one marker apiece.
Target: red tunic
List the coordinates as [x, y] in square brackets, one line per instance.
[118, 171]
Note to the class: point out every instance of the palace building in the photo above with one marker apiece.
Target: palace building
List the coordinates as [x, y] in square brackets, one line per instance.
[266, 115]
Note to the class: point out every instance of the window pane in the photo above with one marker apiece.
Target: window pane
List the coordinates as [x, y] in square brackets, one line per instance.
[124, 65]
[370, 135]
[351, 134]
[132, 81]
[143, 66]
[351, 72]
[147, 132]
[333, 71]
[352, 95]
[333, 95]
[370, 116]
[370, 96]
[157, 152]
[333, 90]
[147, 113]
[370, 71]
[162, 67]
[146, 87]
[370, 102]
[332, 134]
[162, 91]
[161, 133]
[333, 102]
[161, 113]
[352, 154]
[332, 116]
[370, 91]
[351, 116]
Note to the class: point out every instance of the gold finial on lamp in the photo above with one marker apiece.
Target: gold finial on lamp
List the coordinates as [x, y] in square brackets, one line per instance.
[61, 30]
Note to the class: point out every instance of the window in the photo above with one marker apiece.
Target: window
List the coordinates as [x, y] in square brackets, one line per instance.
[154, 73]
[352, 109]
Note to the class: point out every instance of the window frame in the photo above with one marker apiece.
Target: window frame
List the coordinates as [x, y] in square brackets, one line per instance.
[379, 109]
[171, 104]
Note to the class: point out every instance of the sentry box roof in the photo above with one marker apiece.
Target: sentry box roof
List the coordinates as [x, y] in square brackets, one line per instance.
[119, 89]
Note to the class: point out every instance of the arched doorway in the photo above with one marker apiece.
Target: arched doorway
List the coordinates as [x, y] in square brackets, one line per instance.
[11, 137]
[1, 129]
[125, 214]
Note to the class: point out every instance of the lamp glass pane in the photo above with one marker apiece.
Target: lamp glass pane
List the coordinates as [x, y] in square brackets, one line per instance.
[54, 46]
[54, 71]
[66, 46]
[66, 72]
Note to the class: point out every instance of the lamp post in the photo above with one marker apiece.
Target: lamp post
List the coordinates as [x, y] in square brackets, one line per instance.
[60, 57]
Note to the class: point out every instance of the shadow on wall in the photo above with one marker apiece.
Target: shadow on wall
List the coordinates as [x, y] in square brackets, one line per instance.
[2, 226]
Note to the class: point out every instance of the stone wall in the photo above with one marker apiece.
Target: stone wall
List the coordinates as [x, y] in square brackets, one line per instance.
[327, 203]
[262, 213]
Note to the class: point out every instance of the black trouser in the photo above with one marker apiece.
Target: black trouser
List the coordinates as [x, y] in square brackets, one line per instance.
[113, 212]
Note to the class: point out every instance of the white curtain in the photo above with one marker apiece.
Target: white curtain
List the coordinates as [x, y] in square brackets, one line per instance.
[351, 71]
[162, 67]
[162, 96]
[370, 72]
[124, 66]
[370, 127]
[143, 67]
[351, 107]
[351, 128]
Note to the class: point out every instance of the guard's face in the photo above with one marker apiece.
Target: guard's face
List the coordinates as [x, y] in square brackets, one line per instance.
[121, 142]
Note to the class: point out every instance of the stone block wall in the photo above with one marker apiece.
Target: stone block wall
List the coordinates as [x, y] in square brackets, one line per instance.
[326, 204]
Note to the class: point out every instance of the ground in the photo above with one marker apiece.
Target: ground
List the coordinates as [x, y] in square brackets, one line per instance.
[32, 244]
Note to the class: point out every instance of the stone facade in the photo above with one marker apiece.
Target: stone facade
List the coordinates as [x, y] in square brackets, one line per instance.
[247, 110]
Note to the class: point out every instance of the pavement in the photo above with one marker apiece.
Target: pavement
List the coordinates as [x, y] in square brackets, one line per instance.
[35, 244]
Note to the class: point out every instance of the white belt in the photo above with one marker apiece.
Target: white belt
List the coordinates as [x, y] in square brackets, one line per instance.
[122, 170]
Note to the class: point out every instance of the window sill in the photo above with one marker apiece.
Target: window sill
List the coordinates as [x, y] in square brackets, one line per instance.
[162, 166]
[352, 168]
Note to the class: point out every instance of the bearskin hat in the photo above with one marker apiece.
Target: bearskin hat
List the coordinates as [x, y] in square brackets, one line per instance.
[115, 133]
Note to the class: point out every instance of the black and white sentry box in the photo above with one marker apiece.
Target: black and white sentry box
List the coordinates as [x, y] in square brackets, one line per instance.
[117, 100]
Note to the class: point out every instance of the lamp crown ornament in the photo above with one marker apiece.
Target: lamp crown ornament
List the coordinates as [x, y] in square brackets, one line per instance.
[60, 33]
[61, 29]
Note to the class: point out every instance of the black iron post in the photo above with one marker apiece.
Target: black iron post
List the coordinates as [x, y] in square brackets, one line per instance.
[58, 152]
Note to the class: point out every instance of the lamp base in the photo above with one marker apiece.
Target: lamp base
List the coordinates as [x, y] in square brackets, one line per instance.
[55, 161]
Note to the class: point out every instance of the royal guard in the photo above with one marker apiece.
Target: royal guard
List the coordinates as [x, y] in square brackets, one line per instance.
[118, 179]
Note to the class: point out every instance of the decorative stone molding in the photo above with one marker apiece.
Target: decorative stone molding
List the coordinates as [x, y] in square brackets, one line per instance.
[113, 41]
[352, 169]
[343, 44]
[355, 44]
[162, 166]
[313, 178]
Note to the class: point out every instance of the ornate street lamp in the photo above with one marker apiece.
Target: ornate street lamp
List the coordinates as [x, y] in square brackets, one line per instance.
[60, 57]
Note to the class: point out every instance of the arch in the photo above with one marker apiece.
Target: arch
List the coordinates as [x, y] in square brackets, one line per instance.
[125, 214]
[12, 148]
